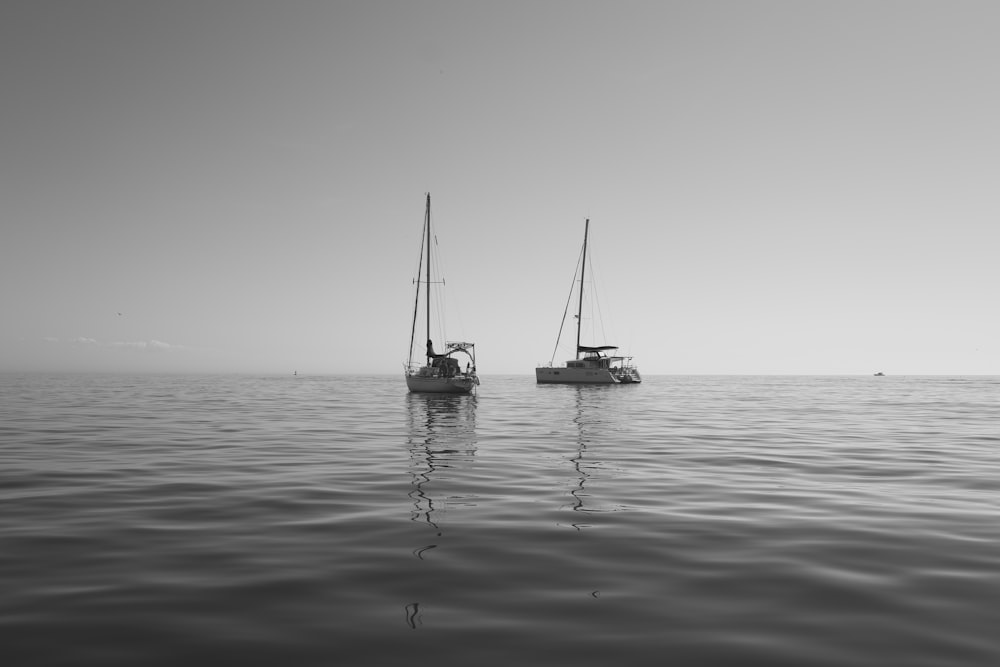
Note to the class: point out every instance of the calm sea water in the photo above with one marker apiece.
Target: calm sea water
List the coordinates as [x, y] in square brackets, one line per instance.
[341, 520]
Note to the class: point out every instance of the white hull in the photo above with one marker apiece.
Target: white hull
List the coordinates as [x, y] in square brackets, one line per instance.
[441, 385]
[554, 375]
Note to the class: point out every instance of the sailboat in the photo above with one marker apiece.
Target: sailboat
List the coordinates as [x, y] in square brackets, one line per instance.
[439, 373]
[593, 364]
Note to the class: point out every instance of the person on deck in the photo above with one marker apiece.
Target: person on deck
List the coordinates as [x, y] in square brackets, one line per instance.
[430, 350]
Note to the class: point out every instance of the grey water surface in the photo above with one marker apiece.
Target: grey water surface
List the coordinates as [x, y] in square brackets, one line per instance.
[689, 520]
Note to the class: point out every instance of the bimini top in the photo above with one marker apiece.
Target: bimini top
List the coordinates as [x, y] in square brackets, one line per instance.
[599, 348]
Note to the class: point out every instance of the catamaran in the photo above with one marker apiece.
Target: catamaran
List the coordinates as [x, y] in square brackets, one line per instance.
[593, 364]
[440, 373]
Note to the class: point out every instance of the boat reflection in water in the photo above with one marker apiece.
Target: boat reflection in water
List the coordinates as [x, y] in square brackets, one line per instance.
[594, 421]
[441, 438]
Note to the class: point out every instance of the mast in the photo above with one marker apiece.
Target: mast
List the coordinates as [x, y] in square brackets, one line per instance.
[427, 225]
[416, 302]
[583, 270]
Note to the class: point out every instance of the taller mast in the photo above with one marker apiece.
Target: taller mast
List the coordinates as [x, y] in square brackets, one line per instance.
[427, 225]
[583, 269]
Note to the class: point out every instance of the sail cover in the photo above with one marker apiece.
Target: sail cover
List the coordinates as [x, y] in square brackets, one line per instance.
[599, 348]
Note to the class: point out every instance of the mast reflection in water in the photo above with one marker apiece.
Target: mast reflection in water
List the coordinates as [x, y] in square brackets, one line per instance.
[441, 437]
[594, 419]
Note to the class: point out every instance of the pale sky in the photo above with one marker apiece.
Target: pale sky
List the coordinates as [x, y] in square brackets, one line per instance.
[773, 186]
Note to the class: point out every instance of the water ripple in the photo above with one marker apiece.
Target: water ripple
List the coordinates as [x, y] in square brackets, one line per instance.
[696, 520]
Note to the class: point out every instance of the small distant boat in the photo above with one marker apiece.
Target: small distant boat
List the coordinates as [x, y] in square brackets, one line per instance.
[880, 374]
[596, 365]
[440, 373]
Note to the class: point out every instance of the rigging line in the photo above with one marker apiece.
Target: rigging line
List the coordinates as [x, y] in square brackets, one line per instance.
[443, 294]
[452, 308]
[442, 305]
[597, 297]
[438, 273]
[440, 293]
[598, 315]
[569, 299]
